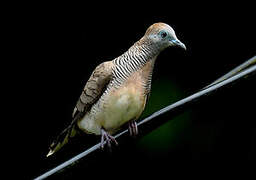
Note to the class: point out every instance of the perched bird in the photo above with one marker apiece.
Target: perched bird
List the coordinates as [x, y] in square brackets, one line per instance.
[117, 91]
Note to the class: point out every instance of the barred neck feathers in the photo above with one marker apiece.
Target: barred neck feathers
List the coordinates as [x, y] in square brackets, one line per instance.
[142, 51]
[133, 59]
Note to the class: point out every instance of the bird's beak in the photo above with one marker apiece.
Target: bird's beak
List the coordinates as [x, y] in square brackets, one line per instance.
[178, 43]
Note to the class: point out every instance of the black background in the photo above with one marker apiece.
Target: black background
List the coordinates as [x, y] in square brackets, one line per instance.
[56, 47]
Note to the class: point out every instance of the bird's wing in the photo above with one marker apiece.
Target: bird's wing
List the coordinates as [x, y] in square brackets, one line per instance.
[93, 89]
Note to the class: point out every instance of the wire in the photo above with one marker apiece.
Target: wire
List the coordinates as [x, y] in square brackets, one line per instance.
[206, 91]
[234, 71]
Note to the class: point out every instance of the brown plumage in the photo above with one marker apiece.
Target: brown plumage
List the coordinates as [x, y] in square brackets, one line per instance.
[94, 88]
[117, 91]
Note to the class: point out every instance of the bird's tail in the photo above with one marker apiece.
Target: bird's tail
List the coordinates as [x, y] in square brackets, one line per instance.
[62, 139]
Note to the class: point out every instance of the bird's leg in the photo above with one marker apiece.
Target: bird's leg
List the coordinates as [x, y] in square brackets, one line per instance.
[133, 129]
[106, 136]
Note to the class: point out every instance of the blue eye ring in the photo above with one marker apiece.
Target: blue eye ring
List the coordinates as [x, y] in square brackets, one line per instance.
[163, 34]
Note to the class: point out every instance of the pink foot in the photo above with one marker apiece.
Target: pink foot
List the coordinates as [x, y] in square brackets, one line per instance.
[105, 136]
[133, 129]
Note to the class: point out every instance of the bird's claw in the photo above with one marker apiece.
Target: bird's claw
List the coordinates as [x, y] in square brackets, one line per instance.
[106, 138]
[133, 128]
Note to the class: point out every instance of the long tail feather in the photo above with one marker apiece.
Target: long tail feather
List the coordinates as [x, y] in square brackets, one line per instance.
[62, 139]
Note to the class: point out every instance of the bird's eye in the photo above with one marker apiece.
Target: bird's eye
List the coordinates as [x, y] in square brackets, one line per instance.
[163, 34]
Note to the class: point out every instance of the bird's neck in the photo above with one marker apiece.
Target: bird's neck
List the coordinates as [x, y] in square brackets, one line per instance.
[138, 55]
[141, 56]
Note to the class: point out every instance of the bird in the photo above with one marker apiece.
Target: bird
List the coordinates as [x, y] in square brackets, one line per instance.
[117, 91]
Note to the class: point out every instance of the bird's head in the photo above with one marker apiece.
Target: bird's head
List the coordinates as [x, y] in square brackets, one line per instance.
[163, 36]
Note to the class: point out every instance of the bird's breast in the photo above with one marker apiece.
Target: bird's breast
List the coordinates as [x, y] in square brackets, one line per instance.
[123, 104]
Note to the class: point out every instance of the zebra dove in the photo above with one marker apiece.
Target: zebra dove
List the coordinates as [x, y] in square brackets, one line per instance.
[117, 91]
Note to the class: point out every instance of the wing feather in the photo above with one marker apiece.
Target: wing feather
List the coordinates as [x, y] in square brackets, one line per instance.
[94, 88]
